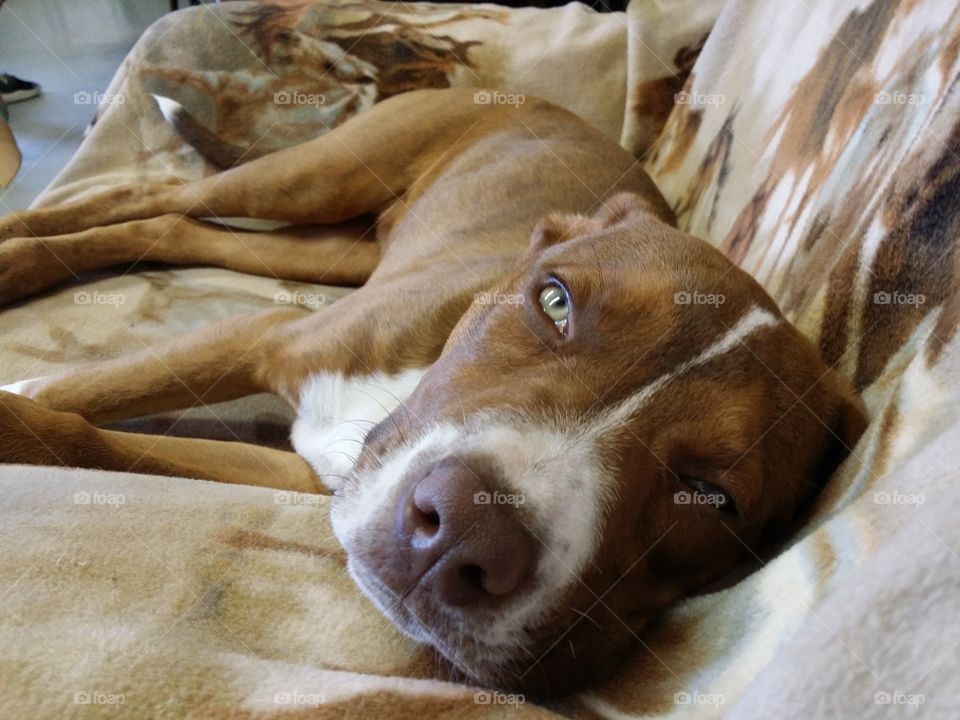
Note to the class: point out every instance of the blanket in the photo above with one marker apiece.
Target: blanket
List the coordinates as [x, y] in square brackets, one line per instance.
[815, 144]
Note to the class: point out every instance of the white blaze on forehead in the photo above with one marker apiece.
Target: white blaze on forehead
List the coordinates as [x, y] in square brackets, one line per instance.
[756, 318]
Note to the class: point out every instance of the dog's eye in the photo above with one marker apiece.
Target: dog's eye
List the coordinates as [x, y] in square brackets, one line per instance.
[705, 493]
[556, 304]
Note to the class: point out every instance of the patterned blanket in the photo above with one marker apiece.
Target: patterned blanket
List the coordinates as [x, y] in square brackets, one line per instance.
[817, 143]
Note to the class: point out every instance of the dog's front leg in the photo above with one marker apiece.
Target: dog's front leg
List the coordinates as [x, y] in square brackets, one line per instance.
[222, 361]
[32, 434]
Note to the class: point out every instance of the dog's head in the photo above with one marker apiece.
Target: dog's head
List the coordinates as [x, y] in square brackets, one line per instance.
[625, 422]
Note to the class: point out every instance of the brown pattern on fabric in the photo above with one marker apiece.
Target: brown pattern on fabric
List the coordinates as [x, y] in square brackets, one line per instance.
[710, 176]
[403, 54]
[806, 120]
[654, 100]
[834, 99]
[682, 131]
[812, 113]
[832, 341]
[310, 66]
[247, 540]
[918, 257]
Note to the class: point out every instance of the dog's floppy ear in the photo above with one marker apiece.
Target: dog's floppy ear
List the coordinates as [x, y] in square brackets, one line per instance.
[557, 228]
[560, 227]
[846, 421]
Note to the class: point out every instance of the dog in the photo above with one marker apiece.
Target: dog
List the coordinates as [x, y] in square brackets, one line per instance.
[546, 414]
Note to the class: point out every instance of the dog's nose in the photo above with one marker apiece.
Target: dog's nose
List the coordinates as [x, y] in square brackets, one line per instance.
[462, 545]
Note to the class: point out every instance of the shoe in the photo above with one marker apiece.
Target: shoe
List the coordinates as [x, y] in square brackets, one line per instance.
[13, 89]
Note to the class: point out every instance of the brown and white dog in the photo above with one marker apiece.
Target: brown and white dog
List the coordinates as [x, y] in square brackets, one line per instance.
[564, 440]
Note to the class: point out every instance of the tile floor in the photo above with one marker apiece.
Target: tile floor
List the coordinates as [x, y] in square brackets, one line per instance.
[67, 46]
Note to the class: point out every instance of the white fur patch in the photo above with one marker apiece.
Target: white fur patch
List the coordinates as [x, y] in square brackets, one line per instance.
[336, 413]
[756, 318]
[561, 482]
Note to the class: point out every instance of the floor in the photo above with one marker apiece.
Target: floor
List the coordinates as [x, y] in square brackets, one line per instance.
[68, 47]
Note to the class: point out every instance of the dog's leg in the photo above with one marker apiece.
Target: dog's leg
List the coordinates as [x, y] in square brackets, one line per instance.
[35, 435]
[223, 361]
[355, 169]
[315, 254]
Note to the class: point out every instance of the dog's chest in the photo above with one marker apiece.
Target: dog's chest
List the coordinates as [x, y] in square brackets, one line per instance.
[336, 413]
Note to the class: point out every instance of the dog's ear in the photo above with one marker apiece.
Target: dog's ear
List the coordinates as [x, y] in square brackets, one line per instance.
[557, 228]
[846, 420]
[624, 207]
